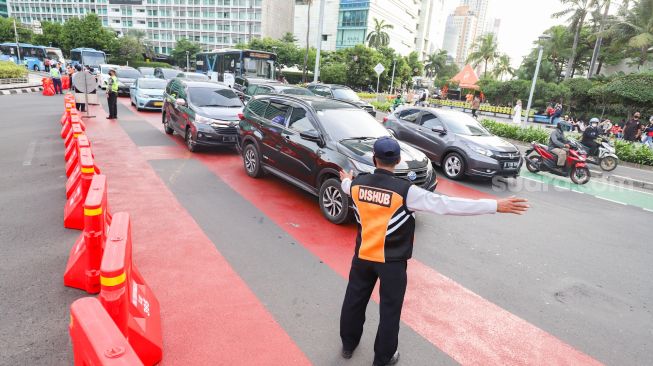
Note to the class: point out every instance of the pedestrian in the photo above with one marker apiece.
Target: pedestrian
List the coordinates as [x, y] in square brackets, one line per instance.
[647, 135]
[516, 118]
[55, 75]
[476, 104]
[632, 127]
[112, 95]
[616, 131]
[606, 126]
[557, 112]
[46, 63]
[549, 110]
[384, 207]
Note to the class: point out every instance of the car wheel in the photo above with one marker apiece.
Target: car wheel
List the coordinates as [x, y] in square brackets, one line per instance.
[334, 202]
[166, 124]
[454, 166]
[190, 143]
[252, 161]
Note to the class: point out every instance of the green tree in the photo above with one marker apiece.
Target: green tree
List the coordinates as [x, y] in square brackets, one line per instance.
[502, 67]
[379, 37]
[51, 34]
[86, 32]
[182, 46]
[288, 37]
[360, 61]
[415, 64]
[635, 27]
[576, 11]
[7, 31]
[435, 62]
[334, 73]
[484, 50]
[127, 49]
[633, 90]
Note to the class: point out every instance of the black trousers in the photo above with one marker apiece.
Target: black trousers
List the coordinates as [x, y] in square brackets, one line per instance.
[113, 105]
[474, 113]
[362, 278]
[56, 82]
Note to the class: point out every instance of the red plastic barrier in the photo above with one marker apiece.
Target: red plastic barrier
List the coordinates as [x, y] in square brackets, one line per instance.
[95, 338]
[83, 268]
[73, 214]
[65, 82]
[68, 119]
[128, 299]
[48, 87]
[76, 174]
[72, 133]
[70, 148]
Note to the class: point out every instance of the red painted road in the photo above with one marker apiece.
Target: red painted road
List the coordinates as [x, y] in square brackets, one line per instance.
[470, 329]
[208, 312]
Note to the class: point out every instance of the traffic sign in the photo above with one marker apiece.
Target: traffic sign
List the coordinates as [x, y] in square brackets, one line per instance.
[379, 68]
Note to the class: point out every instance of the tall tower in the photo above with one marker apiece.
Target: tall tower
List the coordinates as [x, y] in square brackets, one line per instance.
[460, 33]
[479, 8]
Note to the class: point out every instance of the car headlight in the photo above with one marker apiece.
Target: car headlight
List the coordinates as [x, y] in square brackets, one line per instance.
[362, 167]
[480, 150]
[141, 95]
[204, 120]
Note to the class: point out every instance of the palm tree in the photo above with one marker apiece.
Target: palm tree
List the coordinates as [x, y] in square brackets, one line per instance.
[503, 67]
[378, 37]
[636, 28]
[308, 32]
[577, 11]
[485, 50]
[435, 62]
[599, 38]
[556, 47]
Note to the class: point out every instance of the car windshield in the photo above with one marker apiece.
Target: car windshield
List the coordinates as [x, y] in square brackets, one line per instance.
[195, 76]
[296, 91]
[342, 124]
[346, 94]
[128, 74]
[170, 73]
[146, 71]
[463, 124]
[212, 97]
[152, 84]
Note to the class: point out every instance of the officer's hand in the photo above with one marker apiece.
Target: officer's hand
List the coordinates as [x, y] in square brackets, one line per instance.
[344, 175]
[512, 205]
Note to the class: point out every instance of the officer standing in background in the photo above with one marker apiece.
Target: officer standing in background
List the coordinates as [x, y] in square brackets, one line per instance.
[112, 94]
[384, 208]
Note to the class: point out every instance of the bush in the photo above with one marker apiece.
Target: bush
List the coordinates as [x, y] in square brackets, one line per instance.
[634, 152]
[364, 95]
[9, 70]
[149, 64]
[382, 106]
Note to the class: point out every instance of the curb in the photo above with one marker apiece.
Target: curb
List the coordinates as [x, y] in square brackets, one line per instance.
[21, 90]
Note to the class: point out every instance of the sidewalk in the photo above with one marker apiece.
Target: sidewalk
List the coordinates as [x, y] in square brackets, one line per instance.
[33, 85]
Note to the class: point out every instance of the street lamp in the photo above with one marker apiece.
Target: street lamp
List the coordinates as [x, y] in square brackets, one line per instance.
[542, 38]
[392, 81]
[187, 60]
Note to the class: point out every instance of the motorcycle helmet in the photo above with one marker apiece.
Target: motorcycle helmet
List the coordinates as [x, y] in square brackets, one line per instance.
[560, 125]
[594, 122]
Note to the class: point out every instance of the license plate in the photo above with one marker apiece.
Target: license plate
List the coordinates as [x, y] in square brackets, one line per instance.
[158, 104]
[511, 165]
[229, 138]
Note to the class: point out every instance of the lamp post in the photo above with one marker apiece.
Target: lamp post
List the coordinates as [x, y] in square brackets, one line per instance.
[542, 38]
[392, 81]
[318, 45]
[187, 61]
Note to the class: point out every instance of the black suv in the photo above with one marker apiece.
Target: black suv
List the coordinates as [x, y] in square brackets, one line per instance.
[308, 140]
[341, 92]
[205, 113]
[273, 88]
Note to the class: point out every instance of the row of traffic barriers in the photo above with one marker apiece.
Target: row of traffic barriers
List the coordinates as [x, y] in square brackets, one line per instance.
[122, 325]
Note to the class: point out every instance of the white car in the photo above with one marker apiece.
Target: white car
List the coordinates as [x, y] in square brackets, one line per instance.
[104, 74]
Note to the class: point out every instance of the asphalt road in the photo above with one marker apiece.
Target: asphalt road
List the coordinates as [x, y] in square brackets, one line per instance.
[577, 266]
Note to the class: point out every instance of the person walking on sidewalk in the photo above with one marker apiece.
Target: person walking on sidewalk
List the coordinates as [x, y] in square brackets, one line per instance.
[516, 118]
[632, 127]
[112, 95]
[384, 207]
[55, 74]
[476, 104]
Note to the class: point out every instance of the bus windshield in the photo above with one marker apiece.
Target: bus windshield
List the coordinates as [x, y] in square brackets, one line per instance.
[93, 58]
[30, 51]
[54, 54]
[260, 68]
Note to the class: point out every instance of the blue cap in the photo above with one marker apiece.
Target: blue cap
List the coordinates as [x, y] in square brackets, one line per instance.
[387, 148]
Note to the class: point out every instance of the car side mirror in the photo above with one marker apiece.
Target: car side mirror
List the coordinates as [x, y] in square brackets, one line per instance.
[311, 136]
[180, 102]
[439, 130]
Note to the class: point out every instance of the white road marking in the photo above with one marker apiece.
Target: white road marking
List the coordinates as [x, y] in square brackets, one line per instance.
[29, 155]
[613, 201]
[647, 209]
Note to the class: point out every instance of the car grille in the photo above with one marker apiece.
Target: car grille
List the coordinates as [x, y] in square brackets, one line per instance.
[226, 130]
[421, 175]
[506, 156]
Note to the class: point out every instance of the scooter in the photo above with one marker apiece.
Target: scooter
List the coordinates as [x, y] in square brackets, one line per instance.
[604, 157]
[539, 158]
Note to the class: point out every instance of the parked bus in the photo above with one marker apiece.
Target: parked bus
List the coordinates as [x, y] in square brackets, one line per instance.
[55, 54]
[233, 67]
[30, 55]
[87, 57]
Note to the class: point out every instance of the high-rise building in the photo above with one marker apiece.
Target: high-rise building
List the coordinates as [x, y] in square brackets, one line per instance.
[3, 9]
[480, 9]
[431, 26]
[211, 23]
[330, 26]
[460, 34]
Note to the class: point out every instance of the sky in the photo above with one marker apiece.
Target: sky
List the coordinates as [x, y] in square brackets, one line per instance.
[522, 21]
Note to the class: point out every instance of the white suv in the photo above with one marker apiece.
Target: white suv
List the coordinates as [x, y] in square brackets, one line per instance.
[104, 74]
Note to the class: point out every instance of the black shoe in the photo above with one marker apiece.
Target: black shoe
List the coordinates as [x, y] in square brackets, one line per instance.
[346, 354]
[392, 361]
[109, 117]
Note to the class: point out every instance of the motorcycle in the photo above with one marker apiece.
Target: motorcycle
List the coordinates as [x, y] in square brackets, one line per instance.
[539, 158]
[604, 157]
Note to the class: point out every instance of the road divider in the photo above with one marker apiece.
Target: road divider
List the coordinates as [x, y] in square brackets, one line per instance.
[74, 209]
[76, 174]
[128, 299]
[95, 337]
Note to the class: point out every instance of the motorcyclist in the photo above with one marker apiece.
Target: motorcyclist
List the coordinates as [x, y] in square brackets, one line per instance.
[558, 144]
[589, 136]
[397, 102]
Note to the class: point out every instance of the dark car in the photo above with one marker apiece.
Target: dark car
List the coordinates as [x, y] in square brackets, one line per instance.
[308, 140]
[455, 141]
[146, 72]
[205, 113]
[126, 77]
[268, 88]
[341, 92]
[165, 73]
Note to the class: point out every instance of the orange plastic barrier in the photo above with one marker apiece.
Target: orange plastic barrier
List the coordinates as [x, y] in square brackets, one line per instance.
[73, 145]
[83, 268]
[76, 174]
[71, 150]
[73, 216]
[48, 87]
[95, 338]
[72, 133]
[128, 299]
[65, 82]
[67, 121]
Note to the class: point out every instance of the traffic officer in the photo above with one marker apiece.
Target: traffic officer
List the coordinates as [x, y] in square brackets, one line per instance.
[384, 207]
[112, 94]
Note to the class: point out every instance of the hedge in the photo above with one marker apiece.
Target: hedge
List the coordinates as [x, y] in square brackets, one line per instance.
[149, 64]
[626, 151]
[364, 95]
[484, 107]
[9, 70]
[382, 106]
